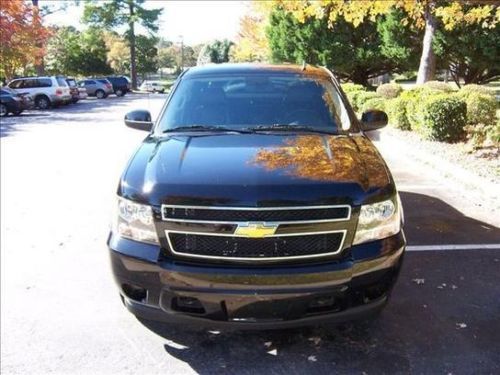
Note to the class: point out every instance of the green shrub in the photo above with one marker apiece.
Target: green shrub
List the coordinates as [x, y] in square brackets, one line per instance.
[352, 91]
[493, 133]
[396, 110]
[389, 90]
[481, 108]
[374, 103]
[443, 118]
[414, 99]
[350, 87]
[361, 98]
[439, 86]
[472, 88]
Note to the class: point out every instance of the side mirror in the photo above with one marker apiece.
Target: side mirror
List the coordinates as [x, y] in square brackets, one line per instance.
[139, 119]
[373, 119]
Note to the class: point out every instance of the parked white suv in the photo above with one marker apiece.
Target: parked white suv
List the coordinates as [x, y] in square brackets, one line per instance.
[45, 91]
[152, 86]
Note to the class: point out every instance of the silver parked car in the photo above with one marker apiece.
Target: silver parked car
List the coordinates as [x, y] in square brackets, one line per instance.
[100, 88]
[46, 91]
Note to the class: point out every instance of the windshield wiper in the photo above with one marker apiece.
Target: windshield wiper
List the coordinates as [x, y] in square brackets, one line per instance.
[288, 127]
[206, 128]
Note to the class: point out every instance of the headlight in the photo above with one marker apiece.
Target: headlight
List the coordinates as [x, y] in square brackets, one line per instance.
[135, 221]
[378, 220]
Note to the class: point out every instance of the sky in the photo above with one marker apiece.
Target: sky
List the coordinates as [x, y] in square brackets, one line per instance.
[196, 21]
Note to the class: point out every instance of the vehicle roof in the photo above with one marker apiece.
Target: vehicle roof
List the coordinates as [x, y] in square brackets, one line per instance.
[37, 77]
[255, 68]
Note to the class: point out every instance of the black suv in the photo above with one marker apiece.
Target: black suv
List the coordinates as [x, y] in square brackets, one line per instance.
[121, 84]
[257, 201]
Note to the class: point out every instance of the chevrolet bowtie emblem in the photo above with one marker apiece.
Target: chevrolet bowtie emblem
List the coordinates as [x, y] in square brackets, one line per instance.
[255, 230]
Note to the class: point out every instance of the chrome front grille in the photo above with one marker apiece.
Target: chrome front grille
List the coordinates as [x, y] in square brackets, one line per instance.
[255, 234]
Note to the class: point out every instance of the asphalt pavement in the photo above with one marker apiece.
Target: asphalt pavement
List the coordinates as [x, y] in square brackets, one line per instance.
[60, 311]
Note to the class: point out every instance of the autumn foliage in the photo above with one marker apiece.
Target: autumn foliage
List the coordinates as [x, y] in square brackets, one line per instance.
[22, 37]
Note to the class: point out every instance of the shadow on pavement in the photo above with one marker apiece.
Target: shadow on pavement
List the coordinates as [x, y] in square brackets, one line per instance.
[430, 221]
[443, 317]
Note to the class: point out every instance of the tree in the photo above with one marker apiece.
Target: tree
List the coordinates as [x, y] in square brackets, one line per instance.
[215, 52]
[71, 52]
[424, 13]
[251, 43]
[63, 51]
[118, 56]
[353, 53]
[470, 52]
[22, 37]
[147, 55]
[117, 13]
[93, 58]
[401, 41]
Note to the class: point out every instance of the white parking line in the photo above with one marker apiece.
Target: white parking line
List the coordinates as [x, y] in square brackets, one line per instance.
[493, 246]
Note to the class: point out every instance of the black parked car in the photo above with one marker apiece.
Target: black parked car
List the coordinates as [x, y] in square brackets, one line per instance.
[121, 84]
[256, 200]
[12, 102]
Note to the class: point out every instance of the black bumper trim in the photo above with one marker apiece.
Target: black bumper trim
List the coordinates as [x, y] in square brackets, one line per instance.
[142, 311]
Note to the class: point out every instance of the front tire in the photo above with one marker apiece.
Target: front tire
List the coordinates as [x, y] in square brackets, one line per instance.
[3, 110]
[119, 92]
[42, 102]
[100, 94]
[18, 113]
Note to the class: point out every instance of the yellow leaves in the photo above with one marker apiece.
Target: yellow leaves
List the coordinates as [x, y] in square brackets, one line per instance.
[455, 14]
[252, 44]
[356, 12]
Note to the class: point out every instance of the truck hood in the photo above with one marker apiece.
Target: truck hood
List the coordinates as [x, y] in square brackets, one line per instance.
[256, 170]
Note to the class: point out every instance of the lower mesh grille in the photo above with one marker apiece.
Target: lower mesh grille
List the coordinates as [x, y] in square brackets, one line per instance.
[240, 247]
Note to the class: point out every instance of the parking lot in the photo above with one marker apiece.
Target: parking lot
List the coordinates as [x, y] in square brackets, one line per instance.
[61, 312]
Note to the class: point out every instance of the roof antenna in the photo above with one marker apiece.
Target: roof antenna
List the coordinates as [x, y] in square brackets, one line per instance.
[304, 65]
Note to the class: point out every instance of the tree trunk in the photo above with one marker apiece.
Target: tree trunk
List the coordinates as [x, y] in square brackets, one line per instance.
[427, 67]
[133, 69]
[39, 65]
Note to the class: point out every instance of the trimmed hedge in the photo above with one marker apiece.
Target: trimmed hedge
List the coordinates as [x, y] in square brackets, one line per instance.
[481, 108]
[434, 110]
[352, 91]
[389, 90]
[374, 103]
[473, 88]
[442, 118]
[351, 87]
[439, 86]
[396, 110]
[414, 99]
[360, 98]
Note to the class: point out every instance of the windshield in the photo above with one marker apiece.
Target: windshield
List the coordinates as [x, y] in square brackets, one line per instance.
[252, 101]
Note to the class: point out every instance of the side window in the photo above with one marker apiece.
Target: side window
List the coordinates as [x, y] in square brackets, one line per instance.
[44, 82]
[15, 84]
[28, 83]
[89, 82]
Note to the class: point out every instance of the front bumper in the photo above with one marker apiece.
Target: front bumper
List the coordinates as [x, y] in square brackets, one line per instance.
[241, 297]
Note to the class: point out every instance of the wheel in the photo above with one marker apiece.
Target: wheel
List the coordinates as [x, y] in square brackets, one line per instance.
[119, 92]
[42, 102]
[18, 113]
[3, 110]
[75, 100]
[100, 94]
